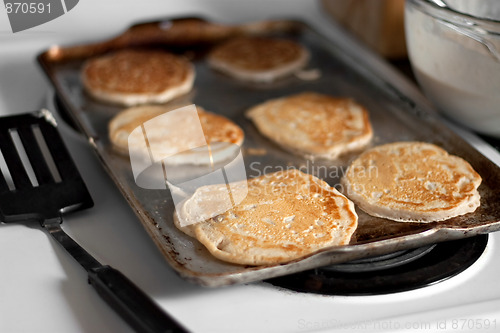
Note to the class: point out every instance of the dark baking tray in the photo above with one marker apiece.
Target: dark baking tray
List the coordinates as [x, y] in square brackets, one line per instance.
[395, 117]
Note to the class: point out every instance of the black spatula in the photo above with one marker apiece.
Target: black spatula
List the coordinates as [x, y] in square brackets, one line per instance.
[39, 182]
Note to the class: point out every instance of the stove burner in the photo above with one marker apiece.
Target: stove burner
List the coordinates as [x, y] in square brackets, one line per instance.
[381, 262]
[396, 272]
[495, 142]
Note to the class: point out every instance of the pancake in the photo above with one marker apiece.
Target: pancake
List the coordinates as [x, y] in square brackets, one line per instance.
[313, 125]
[188, 229]
[412, 182]
[206, 202]
[258, 59]
[132, 77]
[182, 135]
[285, 215]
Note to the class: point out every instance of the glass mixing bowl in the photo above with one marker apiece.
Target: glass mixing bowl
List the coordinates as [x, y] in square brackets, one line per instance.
[456, 59]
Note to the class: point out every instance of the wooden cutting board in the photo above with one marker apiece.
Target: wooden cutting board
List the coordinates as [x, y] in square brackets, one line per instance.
[378, 23]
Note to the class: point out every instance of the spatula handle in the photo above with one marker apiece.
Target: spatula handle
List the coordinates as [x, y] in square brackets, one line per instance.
[131, 303]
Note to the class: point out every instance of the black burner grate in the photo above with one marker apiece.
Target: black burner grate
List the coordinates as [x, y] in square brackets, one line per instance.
[494, 142]
[400, 271]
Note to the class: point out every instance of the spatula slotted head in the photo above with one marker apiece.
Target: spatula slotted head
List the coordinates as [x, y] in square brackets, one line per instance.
[38, 179]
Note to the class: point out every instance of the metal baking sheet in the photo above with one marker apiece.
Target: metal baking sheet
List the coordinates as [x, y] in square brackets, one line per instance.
[395, 117]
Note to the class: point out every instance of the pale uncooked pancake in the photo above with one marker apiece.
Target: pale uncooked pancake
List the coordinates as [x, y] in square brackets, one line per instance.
[313, 125]
[132, 77]
[258, 58]
[206, 202]
[188, 229]
[174, 135]
[285, 215]
[412, 181]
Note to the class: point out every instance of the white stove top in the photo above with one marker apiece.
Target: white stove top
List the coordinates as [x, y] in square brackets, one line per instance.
[42, 289]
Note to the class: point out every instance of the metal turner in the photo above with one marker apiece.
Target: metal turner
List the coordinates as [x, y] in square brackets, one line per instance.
[39, 182]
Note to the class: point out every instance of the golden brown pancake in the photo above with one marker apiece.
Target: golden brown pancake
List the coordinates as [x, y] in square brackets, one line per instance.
[286, 215]
[132, 77]
[313, 125]
[412, 181]
[258, 58]
[172, 137]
